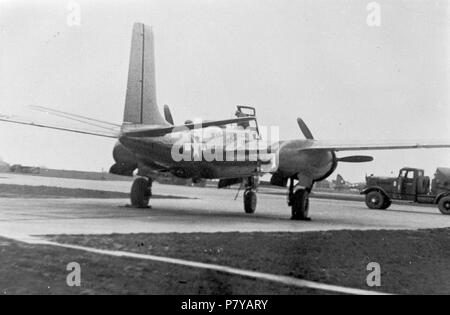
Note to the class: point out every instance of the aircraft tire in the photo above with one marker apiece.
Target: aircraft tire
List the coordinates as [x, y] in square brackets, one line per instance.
[250, 200]
[375, 200]
[140, 193]
[444, 205]
[300, 205]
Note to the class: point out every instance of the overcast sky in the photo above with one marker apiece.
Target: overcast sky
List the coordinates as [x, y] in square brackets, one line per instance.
[316, 59]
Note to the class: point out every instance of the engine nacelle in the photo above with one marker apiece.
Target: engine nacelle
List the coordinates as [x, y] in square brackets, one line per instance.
[125, 161]
[278, 180]
[123, 169]
[225, 182]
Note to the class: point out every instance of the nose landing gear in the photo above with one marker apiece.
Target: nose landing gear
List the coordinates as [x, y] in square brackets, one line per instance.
[250, 198]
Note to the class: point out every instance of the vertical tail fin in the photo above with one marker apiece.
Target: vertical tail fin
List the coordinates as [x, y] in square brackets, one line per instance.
[140, 103]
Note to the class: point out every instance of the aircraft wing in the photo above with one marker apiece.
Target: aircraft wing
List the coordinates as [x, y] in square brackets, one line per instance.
[140, 132]
[22, 121]
[83, 119]
[361, 145]
[111, 131]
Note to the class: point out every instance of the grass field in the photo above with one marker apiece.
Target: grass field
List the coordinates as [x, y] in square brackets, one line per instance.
[411, 261]
[37, 269]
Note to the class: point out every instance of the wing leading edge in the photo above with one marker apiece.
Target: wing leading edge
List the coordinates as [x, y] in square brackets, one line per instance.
[127, 130]
[361, 145]
[21, 121]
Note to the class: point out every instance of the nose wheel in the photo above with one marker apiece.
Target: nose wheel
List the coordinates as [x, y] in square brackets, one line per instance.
[141, 192]
[250, 201]
[250, 198]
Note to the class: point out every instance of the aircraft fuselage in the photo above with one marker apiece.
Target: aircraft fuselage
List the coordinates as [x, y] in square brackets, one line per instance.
[156, 154]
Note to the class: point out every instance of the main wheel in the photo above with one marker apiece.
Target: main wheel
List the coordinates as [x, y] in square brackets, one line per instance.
[300, 205]
[250, 201]
[140, 193]
[444, 205]
[375, 200]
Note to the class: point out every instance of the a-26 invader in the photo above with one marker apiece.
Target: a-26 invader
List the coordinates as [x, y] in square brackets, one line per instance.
[146, 141]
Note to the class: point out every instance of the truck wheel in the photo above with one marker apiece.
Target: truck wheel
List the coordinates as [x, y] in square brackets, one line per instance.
[375, 200]
[444, 205]
[387, 204]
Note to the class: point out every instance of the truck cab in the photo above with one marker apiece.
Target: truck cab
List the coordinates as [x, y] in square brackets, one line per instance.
[411, 185]
[406, 186]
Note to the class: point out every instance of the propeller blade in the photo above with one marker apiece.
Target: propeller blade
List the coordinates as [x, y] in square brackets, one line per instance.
[168, 115]
[356, 159]
[305, 130]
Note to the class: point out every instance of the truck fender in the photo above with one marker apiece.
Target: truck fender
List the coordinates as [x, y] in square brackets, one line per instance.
[440, 196]
[367, 190]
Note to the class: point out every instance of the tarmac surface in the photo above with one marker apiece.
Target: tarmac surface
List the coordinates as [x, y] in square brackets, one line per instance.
[203, 210]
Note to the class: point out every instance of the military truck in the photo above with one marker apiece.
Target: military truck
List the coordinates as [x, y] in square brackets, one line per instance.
[411, 185]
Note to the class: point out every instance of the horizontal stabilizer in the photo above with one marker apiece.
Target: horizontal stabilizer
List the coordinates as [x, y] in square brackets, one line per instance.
[159, 132]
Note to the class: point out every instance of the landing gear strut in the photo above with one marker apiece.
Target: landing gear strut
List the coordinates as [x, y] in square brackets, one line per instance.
[250, 195]
[298, 200]
[141, 191]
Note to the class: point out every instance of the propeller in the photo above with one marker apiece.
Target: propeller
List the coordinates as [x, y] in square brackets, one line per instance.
[305, 130]
[348, 159]
[168, 115]
[356, 159]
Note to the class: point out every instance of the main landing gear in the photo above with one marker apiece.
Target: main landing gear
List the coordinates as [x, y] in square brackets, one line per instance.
[250, 195]
[298, 200]
[141, 191]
